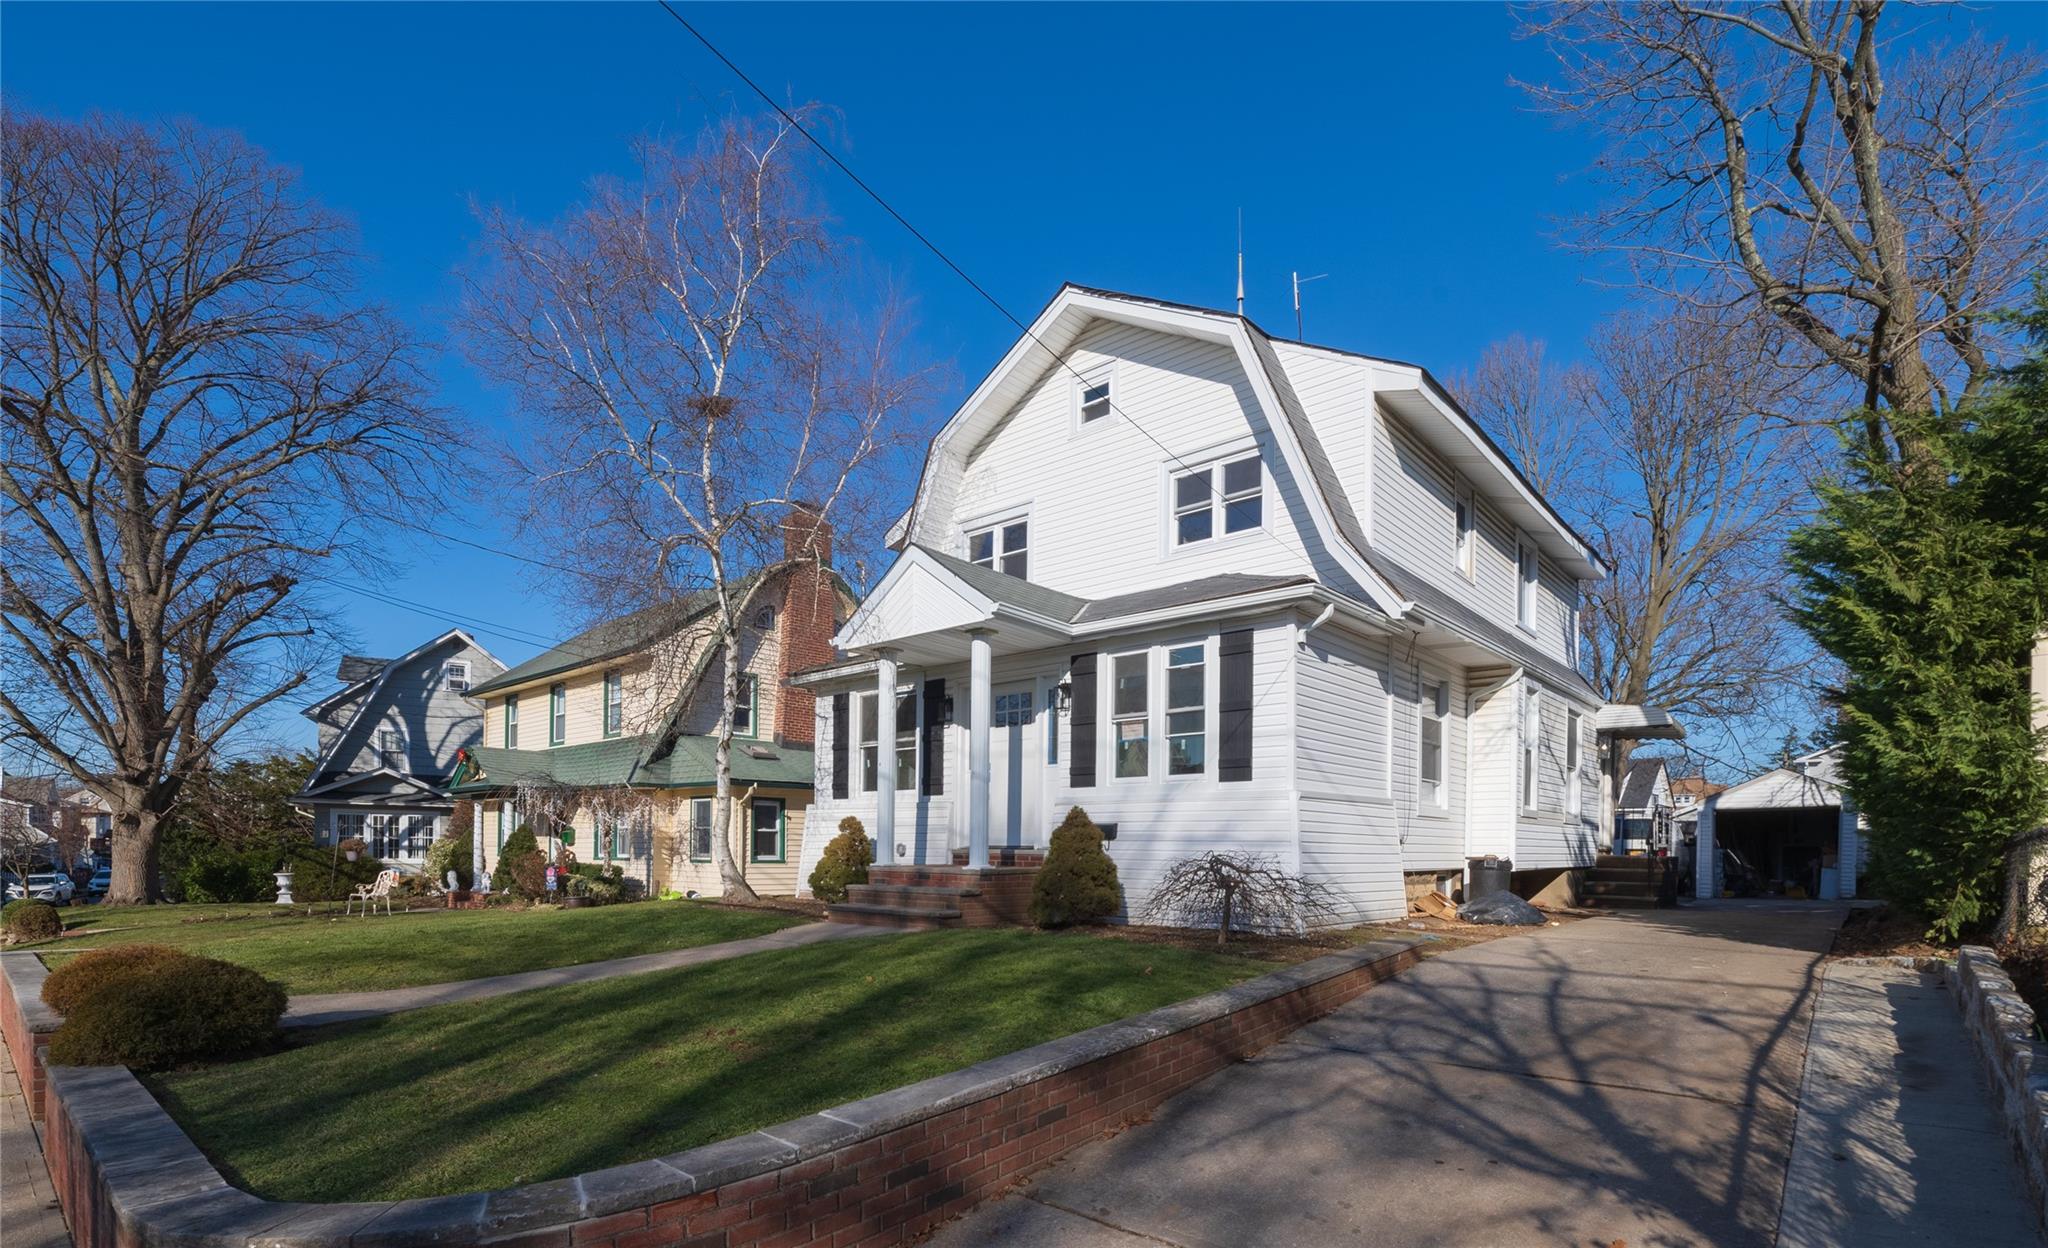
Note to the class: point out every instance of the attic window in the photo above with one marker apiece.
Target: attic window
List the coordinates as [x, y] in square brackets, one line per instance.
[455, 673]
[764, 619]
[1091, 396]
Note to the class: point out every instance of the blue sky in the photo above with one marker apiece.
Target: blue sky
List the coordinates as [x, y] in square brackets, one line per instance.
[1112, 146]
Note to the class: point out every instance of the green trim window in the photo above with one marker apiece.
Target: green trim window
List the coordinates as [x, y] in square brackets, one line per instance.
[504, 823]
[766, 839]
[700, 829]
[558, 714]
[614, 703]
[512, 721]
[746, 707]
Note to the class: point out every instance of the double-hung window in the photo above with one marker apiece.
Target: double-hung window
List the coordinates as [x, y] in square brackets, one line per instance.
[1436, 705]
[1187, 710]
[391, 749]
[1573, 726]
[1130, 713]
[558, 714]
[455, 674]
[504, 822]
[743, 707]
[1236, 488]
[1467, 553]
[1532, 740]
[1525, 583]
[767, 838]
[1003, 547]
[512, 721]
[1091, 397]
[906, 743]
[614, 703]
[700, 829]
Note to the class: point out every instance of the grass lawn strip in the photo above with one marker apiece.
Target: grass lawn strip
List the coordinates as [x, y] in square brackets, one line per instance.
[355, 954]
[556, 1082]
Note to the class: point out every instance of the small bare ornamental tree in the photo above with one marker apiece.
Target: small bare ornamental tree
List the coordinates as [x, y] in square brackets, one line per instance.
[1239, 891]
[693, 368]
[195, 410]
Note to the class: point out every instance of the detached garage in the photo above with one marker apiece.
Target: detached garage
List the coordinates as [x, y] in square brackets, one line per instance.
[1789, 832]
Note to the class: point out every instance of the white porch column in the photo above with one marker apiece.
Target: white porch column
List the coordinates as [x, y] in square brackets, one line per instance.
[477, 840]
[978, 712]
[885, 757]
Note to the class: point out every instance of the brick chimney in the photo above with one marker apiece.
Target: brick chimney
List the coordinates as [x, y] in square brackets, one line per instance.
[808, 618]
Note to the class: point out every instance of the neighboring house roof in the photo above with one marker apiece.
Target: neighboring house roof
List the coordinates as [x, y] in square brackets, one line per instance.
[376, 684]
[597, 764]
[1813, 780]
[356, 668]
[1639, 785]
[1694, 788]
[610, 639]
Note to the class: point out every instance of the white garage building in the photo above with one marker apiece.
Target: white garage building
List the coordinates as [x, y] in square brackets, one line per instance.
[1793, 826]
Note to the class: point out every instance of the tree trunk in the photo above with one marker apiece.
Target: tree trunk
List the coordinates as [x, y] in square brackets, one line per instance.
[1223, 933]
[136, 838]
[732, 882]
[2021, 859]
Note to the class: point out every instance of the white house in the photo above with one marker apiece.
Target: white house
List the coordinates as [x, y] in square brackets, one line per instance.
[1791, 827]
[1220, 590]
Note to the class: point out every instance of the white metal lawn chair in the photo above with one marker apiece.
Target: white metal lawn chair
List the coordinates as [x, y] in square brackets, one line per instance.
[372, 893]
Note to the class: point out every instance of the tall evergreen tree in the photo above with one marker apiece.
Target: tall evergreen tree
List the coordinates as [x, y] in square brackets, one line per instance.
[1929, 581]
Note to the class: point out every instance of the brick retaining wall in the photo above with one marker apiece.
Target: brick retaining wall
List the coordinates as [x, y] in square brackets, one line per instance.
[26, 1023]
[876, 1171]
[2001, 1026]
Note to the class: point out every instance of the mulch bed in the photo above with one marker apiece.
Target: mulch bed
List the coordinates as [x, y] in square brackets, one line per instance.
[1882, 932]
[785, 905]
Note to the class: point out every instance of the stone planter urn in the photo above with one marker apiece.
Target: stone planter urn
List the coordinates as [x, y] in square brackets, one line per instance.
[284, 888]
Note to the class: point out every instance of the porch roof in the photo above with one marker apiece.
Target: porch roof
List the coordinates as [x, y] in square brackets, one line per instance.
[597, 764]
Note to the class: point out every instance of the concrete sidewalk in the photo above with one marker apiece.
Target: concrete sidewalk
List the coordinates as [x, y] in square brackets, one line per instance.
[320, 1009]
[29, 1217]
[1897, 1141]
[1627, 1079]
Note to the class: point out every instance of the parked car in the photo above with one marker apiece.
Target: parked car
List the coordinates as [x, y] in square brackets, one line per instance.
[46, 886]
[102, 880]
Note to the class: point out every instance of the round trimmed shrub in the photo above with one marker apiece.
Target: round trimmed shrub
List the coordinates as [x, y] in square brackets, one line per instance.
[845, 861]
[1078, 882]
[31, 920]
[519, 857]
[87, 975]
[449, 853]
[176, 1011]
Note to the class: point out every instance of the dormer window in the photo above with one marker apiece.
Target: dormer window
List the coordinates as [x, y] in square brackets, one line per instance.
[455, 674]
[1236, 488]
[1091, 397]
[1002, 547]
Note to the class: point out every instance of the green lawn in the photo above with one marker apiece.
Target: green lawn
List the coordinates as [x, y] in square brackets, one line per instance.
[540, 1085]
[348, 954]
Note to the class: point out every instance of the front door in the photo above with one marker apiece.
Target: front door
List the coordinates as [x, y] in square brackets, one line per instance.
[1013, 771]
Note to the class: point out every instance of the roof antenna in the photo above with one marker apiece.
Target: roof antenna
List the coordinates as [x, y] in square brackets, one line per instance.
[1298, 280]
[1240, 262]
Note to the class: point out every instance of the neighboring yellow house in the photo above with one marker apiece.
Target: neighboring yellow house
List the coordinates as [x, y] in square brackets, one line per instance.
[604, 744]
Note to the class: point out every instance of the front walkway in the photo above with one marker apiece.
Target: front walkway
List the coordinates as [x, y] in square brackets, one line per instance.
[1898, 1142]
[29, 1217]
[1630, 1079]
[320, 1009]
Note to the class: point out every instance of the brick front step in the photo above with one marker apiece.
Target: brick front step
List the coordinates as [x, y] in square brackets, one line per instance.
[909, 918]
[993, 897]
[911, 895]
[1005, 856]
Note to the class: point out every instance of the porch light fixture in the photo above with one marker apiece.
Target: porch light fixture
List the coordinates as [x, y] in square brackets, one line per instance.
[1064, 691]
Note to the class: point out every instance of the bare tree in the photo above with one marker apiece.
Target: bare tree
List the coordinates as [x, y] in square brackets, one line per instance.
[1687, 484]
[1528, 401]
[693, 371]
[1239, 891]
[1874, 202]
[194, 408]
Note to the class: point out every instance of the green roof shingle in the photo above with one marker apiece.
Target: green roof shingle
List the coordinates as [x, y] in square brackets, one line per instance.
[594, 764]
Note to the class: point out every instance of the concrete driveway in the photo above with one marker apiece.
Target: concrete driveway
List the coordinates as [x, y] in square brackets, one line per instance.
[1630, 1079]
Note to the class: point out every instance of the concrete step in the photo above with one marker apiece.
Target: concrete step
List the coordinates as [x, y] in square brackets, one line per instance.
[909, 918]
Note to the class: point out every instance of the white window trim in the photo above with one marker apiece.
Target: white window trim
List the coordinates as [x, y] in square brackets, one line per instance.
[455, 675]
[1211, 717]
[1211, 462]
[1439, 713]
[1393, 752]
[1532, 748]
[1529, 581]
[993, 522]
[1090, 377]
[1465, 540]
[905, 783]
[404, 764]
[1574, 761]
[1150, 717]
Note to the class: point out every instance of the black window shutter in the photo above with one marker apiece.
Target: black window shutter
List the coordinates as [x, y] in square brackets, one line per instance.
[1234, 707]
[841, 730]
[1081, 749]
[932, 767]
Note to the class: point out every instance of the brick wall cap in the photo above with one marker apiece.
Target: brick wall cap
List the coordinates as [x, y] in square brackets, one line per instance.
[160, 1182]
[25, 974]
